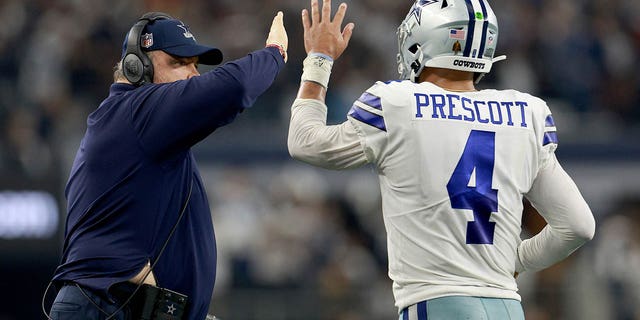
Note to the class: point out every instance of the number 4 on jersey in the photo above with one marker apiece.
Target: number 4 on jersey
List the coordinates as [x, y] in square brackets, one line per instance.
[478, 156]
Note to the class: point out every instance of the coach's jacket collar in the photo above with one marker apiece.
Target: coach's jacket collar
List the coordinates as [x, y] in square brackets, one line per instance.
[120, 87]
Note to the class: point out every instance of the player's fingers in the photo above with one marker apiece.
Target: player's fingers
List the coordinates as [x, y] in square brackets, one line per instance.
[348, 32]
[306, 22]
[326, 11]
[315, 12]
[339, 17]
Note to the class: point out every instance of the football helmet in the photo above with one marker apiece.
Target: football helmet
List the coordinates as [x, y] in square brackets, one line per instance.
[450, 34]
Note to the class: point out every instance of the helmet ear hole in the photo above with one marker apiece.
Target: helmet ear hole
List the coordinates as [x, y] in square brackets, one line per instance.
[415, 66]
[414, 48]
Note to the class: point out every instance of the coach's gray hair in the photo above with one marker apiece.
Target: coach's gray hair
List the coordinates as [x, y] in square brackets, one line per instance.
[118, 74]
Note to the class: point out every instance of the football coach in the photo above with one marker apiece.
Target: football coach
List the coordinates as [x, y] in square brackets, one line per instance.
[139, 240]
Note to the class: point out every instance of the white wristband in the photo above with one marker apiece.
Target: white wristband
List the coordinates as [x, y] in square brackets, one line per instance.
[317, 68]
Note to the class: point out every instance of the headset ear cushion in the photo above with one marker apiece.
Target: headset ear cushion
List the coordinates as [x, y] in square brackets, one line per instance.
[133, 68]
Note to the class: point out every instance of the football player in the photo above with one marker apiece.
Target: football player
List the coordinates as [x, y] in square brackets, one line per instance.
[454, 163]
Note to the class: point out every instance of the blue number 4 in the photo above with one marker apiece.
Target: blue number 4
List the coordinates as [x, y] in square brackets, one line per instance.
[478, 157]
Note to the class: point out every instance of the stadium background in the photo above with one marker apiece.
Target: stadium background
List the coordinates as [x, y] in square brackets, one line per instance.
[296, 242]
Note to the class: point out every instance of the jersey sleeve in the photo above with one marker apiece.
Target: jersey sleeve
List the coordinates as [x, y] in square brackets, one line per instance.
[367, 115]
[310, 140]
[556, 197]
[546, 134]
[570, 222]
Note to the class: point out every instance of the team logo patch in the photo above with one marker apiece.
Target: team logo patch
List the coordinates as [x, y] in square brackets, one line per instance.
[426, 2]
[416, 10]
[187, 34]
[468, 64]
[146, 40]
[457, 47]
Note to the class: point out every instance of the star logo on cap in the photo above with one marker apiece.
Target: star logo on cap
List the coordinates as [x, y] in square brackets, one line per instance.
[187, 33]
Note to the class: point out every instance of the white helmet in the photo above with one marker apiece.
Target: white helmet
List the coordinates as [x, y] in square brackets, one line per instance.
[450, 34]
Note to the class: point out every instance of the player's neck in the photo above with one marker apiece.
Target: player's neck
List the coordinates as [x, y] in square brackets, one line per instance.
[451, 80]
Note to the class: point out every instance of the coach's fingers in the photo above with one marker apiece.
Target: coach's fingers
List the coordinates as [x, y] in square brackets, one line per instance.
[277, 33]
[277, 25]
[277, 20]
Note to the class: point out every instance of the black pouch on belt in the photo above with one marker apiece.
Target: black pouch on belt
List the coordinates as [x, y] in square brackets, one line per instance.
[151, 302]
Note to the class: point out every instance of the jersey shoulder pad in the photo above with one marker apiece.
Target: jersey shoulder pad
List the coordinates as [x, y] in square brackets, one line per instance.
[392, 93]
[542, 117]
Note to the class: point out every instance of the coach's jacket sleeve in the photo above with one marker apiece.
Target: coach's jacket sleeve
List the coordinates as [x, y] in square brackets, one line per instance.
[311, 140]
[174, 116]
[570, 221]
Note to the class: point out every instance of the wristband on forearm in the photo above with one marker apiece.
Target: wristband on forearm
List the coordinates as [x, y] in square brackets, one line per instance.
[281, 48]
[317, 68]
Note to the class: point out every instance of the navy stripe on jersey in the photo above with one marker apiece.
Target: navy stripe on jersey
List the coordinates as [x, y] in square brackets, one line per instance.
[548, 122]
[470, 29]
[550, 137]
[485, 27]
[422, 310]
[367, 117]
[371, 100]
[405, 314]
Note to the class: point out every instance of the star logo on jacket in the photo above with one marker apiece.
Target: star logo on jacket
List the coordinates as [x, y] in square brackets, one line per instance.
[186, 33]
[171, 309]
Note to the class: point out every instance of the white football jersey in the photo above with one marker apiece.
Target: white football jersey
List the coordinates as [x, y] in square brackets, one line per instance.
[453, 169]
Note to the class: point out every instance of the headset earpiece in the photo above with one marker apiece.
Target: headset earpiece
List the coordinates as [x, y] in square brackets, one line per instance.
[136, 65]
[135, 70]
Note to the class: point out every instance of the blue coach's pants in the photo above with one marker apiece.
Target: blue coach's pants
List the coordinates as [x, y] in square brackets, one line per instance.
[464, 308]
[72, 304]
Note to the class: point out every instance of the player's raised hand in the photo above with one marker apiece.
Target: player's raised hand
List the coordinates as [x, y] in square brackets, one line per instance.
[278, 34]
[321, 35]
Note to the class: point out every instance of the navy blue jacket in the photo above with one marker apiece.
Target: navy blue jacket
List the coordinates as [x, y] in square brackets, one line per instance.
[132, 174]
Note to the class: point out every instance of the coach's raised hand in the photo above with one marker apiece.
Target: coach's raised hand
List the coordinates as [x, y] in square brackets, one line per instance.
[278, 35]
[321, 35]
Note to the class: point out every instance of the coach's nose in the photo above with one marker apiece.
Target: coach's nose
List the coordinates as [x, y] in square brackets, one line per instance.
[193, 70]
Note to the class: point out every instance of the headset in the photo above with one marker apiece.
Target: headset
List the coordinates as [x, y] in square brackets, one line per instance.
[136, 65]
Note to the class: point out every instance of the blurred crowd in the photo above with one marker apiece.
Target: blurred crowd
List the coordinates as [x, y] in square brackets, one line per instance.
[297, 233]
